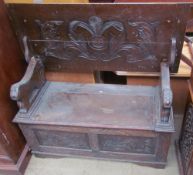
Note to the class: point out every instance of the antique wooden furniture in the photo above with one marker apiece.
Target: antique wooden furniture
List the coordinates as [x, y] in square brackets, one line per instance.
[118, 122]
[14, 155]
[179, 88]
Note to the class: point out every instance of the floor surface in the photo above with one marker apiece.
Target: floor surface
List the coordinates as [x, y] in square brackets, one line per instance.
[76, 166]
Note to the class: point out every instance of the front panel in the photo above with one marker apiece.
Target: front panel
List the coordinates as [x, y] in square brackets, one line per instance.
[125, 145]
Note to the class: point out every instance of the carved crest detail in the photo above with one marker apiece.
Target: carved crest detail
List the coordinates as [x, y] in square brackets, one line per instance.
[99, 40]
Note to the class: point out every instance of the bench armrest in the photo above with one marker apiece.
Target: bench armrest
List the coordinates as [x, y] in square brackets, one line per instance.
[26, 90]
[166, 93]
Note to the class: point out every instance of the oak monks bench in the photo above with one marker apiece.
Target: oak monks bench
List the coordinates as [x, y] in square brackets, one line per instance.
[106, 121]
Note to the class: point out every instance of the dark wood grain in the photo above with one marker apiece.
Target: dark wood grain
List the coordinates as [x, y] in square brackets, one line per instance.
[117, 122]
[12, 66]
[151, 156]
[103, 37]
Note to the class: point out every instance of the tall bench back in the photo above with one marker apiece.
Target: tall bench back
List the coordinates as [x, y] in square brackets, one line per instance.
[109, 37]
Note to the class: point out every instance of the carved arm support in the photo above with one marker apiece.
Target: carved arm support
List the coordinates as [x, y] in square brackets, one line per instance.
[166, 93]
[26, 90]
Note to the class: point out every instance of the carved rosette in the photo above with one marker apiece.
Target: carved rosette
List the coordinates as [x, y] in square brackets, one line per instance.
[49, 29]
[96, 39]
[186, 141]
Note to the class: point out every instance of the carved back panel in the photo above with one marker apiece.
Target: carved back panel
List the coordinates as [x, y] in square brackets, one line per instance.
[88, 37]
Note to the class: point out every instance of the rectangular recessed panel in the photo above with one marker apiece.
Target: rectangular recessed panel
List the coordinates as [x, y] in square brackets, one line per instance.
[125, 144]
[62, 139]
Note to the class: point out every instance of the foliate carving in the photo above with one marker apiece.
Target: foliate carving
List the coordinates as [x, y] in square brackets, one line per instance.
[96, 39]
[127, 144]
[62, 139]
[96, 27]
[49, 29]
[144, 34]
[186, 142]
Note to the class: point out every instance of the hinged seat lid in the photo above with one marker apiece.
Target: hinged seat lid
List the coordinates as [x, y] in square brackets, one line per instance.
[95, 105]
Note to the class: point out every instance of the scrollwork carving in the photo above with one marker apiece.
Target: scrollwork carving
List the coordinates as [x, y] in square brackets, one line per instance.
[99, 40]
[49, 29]
[96, 27]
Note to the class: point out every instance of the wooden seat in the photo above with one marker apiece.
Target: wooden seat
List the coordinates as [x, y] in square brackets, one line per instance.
[132, 123]
[91, 105]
